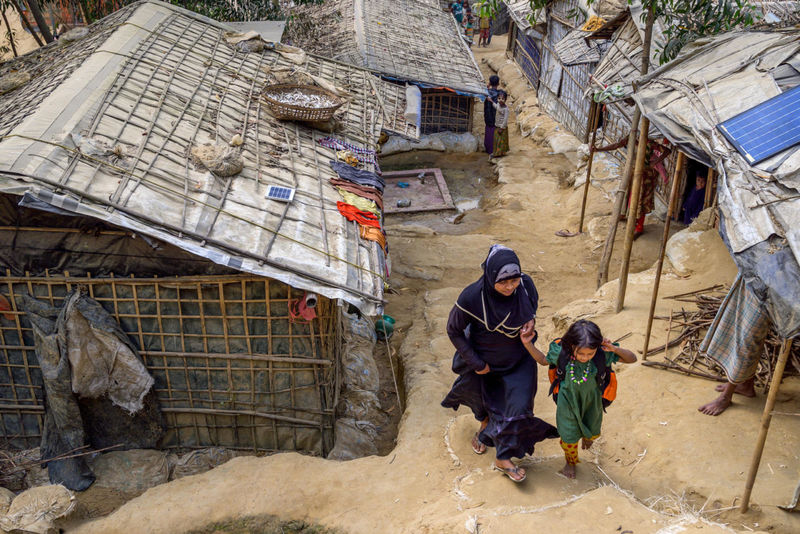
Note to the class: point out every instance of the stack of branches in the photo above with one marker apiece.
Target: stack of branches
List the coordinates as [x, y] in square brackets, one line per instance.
[687, 328]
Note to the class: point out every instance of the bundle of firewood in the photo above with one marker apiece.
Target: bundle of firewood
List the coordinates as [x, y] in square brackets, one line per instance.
[686, 329]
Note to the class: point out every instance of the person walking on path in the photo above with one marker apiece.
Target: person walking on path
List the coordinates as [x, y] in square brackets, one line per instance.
[489, 113]
[581, 371]
[500, 141]
[497, 376]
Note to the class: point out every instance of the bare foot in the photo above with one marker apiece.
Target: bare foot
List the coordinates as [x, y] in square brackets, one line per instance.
[586, 443]
[717, 406]
[745, 389]
[568, 471]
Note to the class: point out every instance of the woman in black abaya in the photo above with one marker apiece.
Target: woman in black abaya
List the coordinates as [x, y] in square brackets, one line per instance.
[491, 320]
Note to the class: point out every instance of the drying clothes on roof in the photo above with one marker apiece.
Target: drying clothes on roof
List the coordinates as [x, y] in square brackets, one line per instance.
[373, 234]
[352, 213]
[364, 155]
[360, 202]
[363, 191]
[367, 178]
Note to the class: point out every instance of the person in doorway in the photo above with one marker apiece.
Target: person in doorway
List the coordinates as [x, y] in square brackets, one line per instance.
[489, 324]
[582, 362]
[696, 199]
[489, 113]
[735, 340]
[655, 156]
[500, 145]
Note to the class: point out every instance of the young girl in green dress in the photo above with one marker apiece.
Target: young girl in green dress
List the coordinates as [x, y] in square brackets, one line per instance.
[579, 412]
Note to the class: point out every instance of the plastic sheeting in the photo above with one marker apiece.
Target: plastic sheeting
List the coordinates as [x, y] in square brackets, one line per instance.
[711, 81]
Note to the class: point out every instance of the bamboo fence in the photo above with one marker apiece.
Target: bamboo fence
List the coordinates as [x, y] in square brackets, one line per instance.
[231, 368]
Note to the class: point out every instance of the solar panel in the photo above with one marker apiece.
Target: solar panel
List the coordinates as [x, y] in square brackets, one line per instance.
[277, 192]
[766, 129]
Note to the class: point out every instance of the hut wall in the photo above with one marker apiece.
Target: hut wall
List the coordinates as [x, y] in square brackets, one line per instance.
[231, 368]
[526, 52]
[445, 111]
[562, 87]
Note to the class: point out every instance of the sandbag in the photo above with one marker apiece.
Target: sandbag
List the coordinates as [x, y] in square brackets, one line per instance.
[131, 472]
[6, 496]
[198, 461]
[358, 363]
[354, 439]
[37, 509]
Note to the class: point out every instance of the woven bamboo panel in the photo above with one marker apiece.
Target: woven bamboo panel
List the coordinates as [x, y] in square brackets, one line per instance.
[231, 368]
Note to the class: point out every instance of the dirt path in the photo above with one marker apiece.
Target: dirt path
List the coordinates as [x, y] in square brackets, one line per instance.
[656, 447]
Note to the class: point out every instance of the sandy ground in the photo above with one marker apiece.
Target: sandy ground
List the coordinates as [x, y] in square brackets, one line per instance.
[660, 465]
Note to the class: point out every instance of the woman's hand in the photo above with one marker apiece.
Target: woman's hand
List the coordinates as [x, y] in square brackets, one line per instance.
[483, 371]
[528, 331]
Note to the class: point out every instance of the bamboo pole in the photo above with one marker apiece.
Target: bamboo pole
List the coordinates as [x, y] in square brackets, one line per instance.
[633, 211]
[602, 273]
[10, 32]
[619, 202]
[709, 188]
[766, 418]
[26, 23]
[673, 195]
[594, 118]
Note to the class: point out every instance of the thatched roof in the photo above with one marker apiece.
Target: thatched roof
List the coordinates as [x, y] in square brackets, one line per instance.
[105, 127]
[404, 40]
[520, 12]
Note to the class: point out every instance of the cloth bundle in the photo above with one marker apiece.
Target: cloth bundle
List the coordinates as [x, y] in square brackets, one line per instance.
[364, 155]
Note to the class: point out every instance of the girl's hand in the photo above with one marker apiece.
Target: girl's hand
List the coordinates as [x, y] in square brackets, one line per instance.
[608, 346]
[483, 371]
[528, 336]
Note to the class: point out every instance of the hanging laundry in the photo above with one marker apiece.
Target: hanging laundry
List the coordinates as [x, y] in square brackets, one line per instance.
[364, 155]
[360, 202]
[347, 157]
[352, 213]
[373, 234]
[363, 191]
[357, 176]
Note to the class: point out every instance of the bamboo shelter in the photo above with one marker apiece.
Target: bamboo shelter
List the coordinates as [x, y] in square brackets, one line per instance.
[406, 41]
[102, 189]
[525, 41]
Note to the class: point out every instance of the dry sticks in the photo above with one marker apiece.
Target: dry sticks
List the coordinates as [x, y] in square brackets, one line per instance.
[687, 328]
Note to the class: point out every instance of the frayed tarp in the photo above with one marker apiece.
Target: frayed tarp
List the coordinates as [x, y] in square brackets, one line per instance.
[712, 80]
[97, 390]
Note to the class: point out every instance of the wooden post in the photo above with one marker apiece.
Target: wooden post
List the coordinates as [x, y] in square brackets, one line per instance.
[10, 32]
[673, 196]
[602, 273]
[709, 188]
[594, 119]
[27, 23]
[766, 418]
[633, 211]
[619, 202]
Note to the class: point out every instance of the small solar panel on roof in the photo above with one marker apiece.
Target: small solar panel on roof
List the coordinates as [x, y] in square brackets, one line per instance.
[766, 129]
[276, 192]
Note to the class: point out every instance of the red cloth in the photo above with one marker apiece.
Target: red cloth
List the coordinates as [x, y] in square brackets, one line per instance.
[352, 213]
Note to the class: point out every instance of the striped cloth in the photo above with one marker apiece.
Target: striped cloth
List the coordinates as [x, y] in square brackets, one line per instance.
[735, 339]
[364, 155]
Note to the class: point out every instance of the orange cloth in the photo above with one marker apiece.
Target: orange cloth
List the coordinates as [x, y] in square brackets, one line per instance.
[352, 213]
[373, 234]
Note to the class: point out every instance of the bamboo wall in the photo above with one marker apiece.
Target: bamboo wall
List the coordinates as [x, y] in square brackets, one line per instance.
[231, 368]
[525, 51]
[445, 111]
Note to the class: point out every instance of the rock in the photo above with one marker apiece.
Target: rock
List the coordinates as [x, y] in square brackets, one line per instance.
[11, 81]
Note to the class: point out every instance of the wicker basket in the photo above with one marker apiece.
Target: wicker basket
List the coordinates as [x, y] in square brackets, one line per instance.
[285, 111]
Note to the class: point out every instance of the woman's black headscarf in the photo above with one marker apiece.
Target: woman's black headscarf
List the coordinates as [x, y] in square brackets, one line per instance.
[497, 312]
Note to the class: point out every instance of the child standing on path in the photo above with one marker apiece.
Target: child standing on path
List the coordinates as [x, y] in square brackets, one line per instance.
[500, 146]
[582, 361]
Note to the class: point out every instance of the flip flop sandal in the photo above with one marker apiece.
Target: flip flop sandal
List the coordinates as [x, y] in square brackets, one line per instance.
[566, 233]
[477, 446]
[509, 471]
